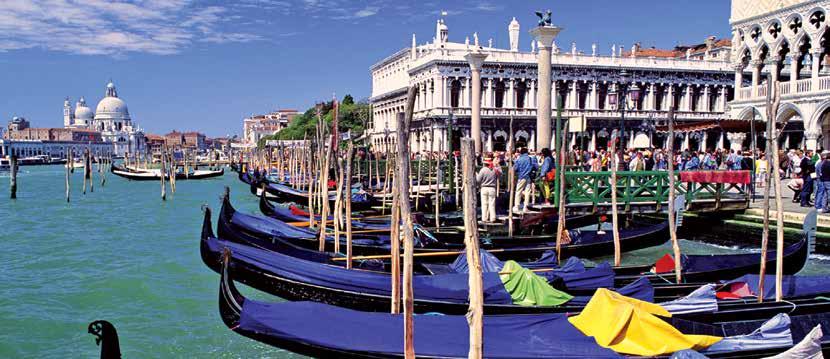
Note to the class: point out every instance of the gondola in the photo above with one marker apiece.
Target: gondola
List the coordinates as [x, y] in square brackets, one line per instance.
[319, 330]
[235, 226]
[527, 249]
[156, 176]
[292, 278]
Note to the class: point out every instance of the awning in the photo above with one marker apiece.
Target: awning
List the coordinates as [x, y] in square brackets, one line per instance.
[729, 125]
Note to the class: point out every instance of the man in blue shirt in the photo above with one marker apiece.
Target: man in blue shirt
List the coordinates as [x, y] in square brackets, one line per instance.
[525, 168]
[693, 163]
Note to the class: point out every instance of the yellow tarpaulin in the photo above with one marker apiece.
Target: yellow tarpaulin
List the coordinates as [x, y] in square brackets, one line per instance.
[631, 326]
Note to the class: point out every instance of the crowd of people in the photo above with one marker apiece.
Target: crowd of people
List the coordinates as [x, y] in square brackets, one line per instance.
[808, 172]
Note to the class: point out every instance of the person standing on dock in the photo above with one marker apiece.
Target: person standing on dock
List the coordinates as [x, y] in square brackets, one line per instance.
[807, 171]
[825, 182]
[525, 171]
[487, 178]
[820, 198]
[546, 175]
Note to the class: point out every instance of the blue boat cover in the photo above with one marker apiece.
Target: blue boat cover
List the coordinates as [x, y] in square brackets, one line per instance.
[271, 226]
[702, 299]
[639, 289]
[445, 336]
[572, 272]
[792, 285]
[442, 287]
[773, 333]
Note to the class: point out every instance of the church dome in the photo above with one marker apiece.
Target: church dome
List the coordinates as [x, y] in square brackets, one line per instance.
[111, 107]
[82, 112]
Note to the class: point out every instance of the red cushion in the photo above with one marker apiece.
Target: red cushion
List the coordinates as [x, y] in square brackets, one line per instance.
[296, 211]
[664, 264]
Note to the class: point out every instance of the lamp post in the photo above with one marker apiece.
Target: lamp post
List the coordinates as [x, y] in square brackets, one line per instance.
[618, 97]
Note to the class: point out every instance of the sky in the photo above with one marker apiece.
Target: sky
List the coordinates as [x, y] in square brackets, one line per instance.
[205, 65]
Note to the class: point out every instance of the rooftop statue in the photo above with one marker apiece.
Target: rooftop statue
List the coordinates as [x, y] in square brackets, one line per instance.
[544, 19]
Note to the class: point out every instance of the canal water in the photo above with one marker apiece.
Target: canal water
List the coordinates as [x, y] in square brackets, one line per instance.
[121, 254]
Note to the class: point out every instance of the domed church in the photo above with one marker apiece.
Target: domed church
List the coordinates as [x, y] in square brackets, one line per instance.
[111, 118]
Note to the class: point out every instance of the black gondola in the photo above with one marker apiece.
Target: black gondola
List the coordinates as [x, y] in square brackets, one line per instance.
[523, 249]
[243, 317]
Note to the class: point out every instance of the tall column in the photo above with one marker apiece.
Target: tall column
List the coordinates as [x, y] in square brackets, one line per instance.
[722, 102]
[476, 59]
[531, 95]
[544, 36]
[652, 104]
[443, 92]
[688, 98]
[468, 92]
[773, 68]
[669, 100]
[510, 94]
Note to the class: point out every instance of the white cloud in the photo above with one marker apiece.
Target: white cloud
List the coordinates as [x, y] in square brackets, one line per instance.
[367, 11]
[115, 28]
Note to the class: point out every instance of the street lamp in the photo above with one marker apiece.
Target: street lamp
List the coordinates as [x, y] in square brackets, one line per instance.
[619, 99]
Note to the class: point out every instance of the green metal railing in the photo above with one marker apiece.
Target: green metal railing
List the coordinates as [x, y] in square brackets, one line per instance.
[639, 186]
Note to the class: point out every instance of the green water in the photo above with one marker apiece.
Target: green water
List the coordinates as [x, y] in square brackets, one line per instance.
[123, 255]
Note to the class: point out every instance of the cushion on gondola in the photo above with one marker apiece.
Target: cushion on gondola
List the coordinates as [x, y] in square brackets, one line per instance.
[772, 333]
[528, 289]
[665, 264]
[702, 299]
[297, 211]
[632, 326]
[792, 286]
[271, 226]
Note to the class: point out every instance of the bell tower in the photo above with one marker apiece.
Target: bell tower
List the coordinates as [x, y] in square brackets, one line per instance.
[68, 116]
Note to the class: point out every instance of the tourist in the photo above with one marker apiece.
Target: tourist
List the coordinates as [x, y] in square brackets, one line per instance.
[487, 178]
[547, 174]
[526, 169]
[820, 198]
[761, 170]
[709, 162]
[692, 163]
[595, 163]
[825, 182]
[637, 163]
[807, 172]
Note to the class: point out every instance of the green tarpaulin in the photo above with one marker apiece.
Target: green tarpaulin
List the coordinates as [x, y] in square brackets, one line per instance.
[528, 289]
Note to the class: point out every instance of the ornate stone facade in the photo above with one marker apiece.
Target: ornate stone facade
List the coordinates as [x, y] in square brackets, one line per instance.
[783, 42]
[696, 89]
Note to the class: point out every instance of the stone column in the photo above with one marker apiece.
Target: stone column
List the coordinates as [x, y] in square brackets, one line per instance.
[594, 103]
[489, 100]
[816, 67]
[669, 100]
[575, 95]
[756, 75]
[652, 104]
[531, 143]
[705, 103]
[773, 70]
[468, 92]
[811, 136]
[476, 59]
[531, 95]
[443, 93]
[739, 77]
[722, 104]
[793, 71]
[736, 140]
[489, 141]
[544, 36]
[689, 105]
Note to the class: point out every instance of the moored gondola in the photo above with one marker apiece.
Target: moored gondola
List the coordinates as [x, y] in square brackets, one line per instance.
[156, 175]
[291, 326]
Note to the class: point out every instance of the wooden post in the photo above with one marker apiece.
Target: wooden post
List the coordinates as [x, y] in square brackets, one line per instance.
[68, 166]
[13, 175]
[406, 217]
[765, 233]
[309, 186]
[437, 205]
[475, 312]
[678, 270]
[563, 148]
[395, 253]
[161, 173]
[613, 187]
[418, 183]
[338, 205]
[324, 196]
[349, 157]
[511, 178]
[779, 207]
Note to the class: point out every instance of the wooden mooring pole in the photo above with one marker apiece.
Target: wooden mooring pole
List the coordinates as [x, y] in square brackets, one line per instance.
[349, 158]
[403, 184]
[613, 187]
[13, 176]
[678, 270]
[475, 312]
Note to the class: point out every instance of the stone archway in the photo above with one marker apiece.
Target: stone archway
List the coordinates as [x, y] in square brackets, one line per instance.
[821, 121]
[792, 135]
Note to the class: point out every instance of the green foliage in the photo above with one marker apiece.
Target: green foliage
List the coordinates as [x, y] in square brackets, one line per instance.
[353, 116]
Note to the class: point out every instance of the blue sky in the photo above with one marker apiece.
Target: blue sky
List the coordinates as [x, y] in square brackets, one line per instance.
[204, 65]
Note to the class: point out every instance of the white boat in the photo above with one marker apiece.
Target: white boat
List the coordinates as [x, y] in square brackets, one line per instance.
[77, 163]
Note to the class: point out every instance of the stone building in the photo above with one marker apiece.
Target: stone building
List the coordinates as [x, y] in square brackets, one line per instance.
[783, 42]
[696, 80]
[257, 126]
